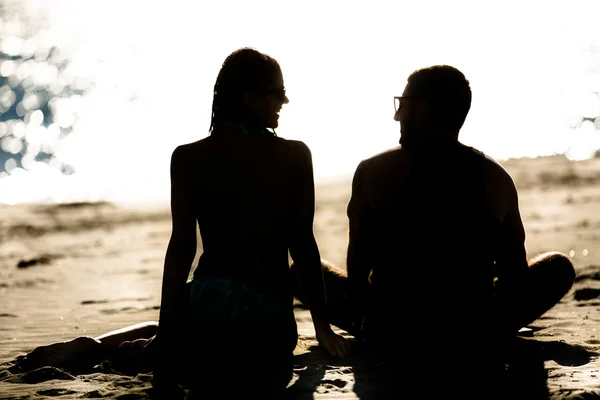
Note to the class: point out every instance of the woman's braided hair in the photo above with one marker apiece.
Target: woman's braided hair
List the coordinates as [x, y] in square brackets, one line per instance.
[244, 70]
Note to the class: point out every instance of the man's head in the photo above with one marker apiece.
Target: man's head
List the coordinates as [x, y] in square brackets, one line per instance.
[434, 105]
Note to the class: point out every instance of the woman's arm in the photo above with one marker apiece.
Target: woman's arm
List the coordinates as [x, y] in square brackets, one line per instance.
[305, 254]
[178, 261]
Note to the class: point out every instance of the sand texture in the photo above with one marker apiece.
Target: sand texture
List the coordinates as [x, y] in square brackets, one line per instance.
[80, 270]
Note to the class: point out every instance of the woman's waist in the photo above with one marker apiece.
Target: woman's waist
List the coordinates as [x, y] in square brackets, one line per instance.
[252, 270]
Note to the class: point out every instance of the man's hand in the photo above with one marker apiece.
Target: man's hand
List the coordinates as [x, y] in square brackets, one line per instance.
[334, 344]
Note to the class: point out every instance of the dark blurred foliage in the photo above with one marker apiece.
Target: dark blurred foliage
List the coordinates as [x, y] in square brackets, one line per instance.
[34, 78]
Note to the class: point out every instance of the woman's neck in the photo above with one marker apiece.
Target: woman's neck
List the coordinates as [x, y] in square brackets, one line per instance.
[247, 127]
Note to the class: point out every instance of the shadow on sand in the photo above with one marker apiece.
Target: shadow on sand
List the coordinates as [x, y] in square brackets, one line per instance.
[523, 378]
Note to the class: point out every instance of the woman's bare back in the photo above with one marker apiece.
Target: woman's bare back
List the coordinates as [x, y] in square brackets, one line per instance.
[248, 192]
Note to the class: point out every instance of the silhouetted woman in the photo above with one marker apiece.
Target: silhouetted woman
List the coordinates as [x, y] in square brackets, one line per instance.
[252, 195]
[230, 331]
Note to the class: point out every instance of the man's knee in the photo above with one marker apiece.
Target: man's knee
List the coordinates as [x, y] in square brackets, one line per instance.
[335, 280]
[563, 266]
[330, 271]
[560, 267]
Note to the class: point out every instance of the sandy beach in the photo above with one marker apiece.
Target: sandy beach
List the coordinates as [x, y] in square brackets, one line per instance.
[72, 270]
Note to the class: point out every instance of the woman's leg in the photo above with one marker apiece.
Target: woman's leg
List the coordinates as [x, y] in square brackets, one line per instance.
[549, 278]
[83, 352]
[143, 330]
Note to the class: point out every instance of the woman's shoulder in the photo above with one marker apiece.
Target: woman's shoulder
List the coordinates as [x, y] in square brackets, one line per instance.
[297, 153]
[294, 146]
[188, 149]
[292, 149]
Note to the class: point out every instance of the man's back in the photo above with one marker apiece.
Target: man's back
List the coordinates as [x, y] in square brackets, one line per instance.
[431, 236]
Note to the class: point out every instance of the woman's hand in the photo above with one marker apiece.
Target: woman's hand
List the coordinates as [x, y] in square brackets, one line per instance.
[334, 344]
[165, 387]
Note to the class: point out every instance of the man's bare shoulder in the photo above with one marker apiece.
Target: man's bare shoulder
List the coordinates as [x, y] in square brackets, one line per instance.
[495, 173]
[384, 160]
[501, 192]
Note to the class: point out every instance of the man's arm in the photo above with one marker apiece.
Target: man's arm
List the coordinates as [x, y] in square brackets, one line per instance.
[357, 262]
[305, 254]
[512, 256]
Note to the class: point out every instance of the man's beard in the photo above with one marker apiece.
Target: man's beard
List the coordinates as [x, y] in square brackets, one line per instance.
[408, 134]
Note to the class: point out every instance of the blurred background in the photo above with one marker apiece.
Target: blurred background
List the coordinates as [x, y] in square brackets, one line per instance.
[95, 95]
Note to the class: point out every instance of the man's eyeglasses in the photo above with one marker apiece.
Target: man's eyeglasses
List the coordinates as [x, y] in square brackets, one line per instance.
[398, 100]
[279, 92]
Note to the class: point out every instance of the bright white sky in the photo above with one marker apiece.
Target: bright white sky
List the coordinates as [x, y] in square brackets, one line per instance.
[342, 62]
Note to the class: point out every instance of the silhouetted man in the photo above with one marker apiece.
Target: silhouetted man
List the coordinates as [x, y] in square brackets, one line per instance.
[437, 269]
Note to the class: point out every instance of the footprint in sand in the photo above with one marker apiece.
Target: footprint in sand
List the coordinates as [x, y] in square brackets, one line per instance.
[94, 394]
[41, 375]
[88, 302]
[589, 304]
[330, 385]
[131, 309]
[587, 294]
[567, 354]
[117, 310]
[30, 283]
[55, 392]
[45, 259]
[104, 301]
[590, 272]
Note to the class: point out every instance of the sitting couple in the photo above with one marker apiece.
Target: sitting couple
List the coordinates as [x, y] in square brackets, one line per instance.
[436, 253]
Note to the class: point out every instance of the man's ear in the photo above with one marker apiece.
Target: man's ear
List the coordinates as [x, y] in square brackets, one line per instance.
[421, 109]
[249, 99]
